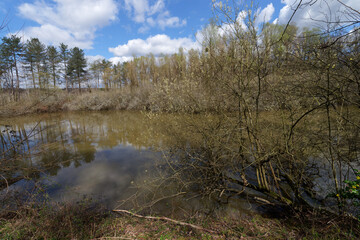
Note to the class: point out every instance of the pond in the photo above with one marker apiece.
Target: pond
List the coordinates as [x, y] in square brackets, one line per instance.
[119, 158]
[104, 156]
[95, 154]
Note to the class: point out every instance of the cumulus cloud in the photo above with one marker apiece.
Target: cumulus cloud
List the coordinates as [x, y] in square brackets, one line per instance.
[116, 60]
[151, 15]
[91, 59]
[262, 16]
[73, 22]
[316, 14]
[265, 14]
[138, 9]
[165, 20]
[157, 45]
[51, 34]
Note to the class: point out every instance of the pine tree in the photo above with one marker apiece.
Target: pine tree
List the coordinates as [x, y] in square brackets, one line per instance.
[11, 50]
[53, 61]
[64, 58]
[77, 65]
[34, 57]
[95, 68]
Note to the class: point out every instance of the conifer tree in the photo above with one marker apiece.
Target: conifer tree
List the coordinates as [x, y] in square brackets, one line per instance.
[64, 58]
[76, 65]
[53, 61]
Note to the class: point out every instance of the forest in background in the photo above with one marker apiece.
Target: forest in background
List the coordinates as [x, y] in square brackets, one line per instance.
[273, 62]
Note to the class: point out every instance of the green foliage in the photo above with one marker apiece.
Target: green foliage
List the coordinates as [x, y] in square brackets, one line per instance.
[76, 65]
[77, 62]
[351, 191]
[34, 58]
[34, 51]
[11, 50]
[53, 59]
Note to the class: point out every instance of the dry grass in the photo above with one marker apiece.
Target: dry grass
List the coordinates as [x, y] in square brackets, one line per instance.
[165, 97]
[34, 101]
[89, 220]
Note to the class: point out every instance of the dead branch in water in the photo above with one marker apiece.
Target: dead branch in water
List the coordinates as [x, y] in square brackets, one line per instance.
[166, 219]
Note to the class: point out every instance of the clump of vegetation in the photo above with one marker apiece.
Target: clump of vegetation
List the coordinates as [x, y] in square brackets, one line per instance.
[352, 189]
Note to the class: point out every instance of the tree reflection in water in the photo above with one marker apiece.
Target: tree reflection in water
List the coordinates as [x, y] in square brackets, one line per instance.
[96, 154]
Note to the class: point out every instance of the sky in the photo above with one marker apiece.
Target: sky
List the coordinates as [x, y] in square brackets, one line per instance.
[120, 29]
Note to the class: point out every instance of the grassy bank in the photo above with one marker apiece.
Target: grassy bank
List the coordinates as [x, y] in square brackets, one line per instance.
[86, 220]
[56, 100]
[145, 98]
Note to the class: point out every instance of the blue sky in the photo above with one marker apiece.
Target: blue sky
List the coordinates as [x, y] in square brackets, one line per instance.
[119, 29]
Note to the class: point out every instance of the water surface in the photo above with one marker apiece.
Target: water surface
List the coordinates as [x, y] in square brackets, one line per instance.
[99, 155]
[106, 156]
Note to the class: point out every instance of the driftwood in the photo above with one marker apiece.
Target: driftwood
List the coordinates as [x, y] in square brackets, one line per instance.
[166, 219]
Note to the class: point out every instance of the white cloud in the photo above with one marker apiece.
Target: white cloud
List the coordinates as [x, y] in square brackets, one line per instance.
[157, 7]
[151, 15]
[315, 14]
[51, 34]
[265, 15]
[91, 59]
[143, 29]
[151, 21]
[138, 9]
[73, 22]
[165, 20]
[262, 16]
[116, 60]
[157, 45]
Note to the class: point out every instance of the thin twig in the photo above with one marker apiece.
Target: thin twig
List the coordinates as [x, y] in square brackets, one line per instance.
[288, 23]
[166, 219]
[163, 198]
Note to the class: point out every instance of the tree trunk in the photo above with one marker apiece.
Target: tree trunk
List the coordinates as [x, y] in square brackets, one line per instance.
[39, 79]
[79, 84]
[32, 74]
[17, 79]
[12, 82]
[54, 75]
[66, 79]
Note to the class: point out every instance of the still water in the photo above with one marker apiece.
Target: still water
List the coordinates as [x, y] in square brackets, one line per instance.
[111, 157]
[108, 157]
[98, 155]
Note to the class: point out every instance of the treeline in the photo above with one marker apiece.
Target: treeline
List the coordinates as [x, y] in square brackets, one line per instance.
[39, 66]
[269, 56]
[232, 60]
